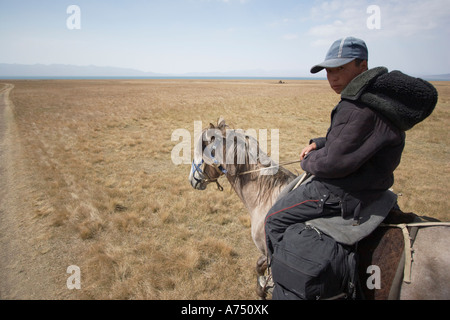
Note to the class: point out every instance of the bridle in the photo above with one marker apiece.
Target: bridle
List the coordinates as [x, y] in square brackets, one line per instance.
[204, 177]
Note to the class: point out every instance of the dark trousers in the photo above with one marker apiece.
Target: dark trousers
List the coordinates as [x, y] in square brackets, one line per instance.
[309, 201]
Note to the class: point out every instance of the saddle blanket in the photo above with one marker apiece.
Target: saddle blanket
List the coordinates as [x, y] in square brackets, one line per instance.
[343, 230]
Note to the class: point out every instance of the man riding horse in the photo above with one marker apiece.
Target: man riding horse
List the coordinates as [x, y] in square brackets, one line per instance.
[352, 167]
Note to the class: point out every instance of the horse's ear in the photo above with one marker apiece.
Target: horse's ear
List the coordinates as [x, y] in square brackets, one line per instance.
[211, 126]
[221, 123]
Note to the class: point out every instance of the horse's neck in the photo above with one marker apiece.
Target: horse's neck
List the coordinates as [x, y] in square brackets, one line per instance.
[250, 194]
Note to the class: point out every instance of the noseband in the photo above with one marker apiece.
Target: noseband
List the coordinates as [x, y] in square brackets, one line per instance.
[204, 178]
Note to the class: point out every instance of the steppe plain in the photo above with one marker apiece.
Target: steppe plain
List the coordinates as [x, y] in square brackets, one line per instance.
[87, 180]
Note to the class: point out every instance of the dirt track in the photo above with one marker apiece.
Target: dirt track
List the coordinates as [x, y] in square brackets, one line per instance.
[29, 267]
[7, 256]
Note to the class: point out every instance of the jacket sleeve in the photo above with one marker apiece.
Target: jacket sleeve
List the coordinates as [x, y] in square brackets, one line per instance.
[353, 138]
[320, 142]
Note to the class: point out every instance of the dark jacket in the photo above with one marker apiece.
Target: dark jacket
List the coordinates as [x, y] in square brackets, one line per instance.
[366, 138]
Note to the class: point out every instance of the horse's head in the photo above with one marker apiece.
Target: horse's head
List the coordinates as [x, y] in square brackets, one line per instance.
[220, 150]
[208, 164]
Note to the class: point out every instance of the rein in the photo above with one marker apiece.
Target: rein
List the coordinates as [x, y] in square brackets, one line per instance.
[204, 178]
[265, 168]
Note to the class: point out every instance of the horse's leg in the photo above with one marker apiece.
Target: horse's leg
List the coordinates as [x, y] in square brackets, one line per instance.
[261, 265]
[264, 282]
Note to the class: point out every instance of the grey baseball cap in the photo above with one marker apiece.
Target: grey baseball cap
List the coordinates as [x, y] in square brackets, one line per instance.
[343, 51]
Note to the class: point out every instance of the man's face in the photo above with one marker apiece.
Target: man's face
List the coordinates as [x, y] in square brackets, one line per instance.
[340, 77]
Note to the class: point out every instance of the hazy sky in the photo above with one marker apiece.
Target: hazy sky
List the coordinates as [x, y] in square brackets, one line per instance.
[285, 37]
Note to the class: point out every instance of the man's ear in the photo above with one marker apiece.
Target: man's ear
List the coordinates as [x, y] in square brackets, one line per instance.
[364, 65]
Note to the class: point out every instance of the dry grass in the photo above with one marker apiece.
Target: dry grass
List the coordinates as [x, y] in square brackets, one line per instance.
[101, 179]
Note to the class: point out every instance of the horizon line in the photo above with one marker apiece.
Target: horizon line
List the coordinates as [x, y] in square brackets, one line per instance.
[121, 72]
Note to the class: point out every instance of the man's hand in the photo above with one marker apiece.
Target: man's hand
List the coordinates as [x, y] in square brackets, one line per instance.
[307, 150]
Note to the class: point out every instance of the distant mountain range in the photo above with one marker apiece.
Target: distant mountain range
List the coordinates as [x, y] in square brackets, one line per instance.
[62, 70]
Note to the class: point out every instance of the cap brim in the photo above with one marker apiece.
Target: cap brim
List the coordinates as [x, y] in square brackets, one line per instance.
[332, 63]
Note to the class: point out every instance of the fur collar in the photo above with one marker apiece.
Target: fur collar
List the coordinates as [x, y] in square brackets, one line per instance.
[403, 99]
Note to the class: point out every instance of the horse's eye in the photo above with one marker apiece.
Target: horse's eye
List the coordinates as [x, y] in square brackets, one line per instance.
[213, 152]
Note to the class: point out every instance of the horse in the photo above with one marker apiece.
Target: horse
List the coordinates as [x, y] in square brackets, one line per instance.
[258, 181]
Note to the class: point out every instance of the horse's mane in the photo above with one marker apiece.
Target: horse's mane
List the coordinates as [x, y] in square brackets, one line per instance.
[248, 156]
